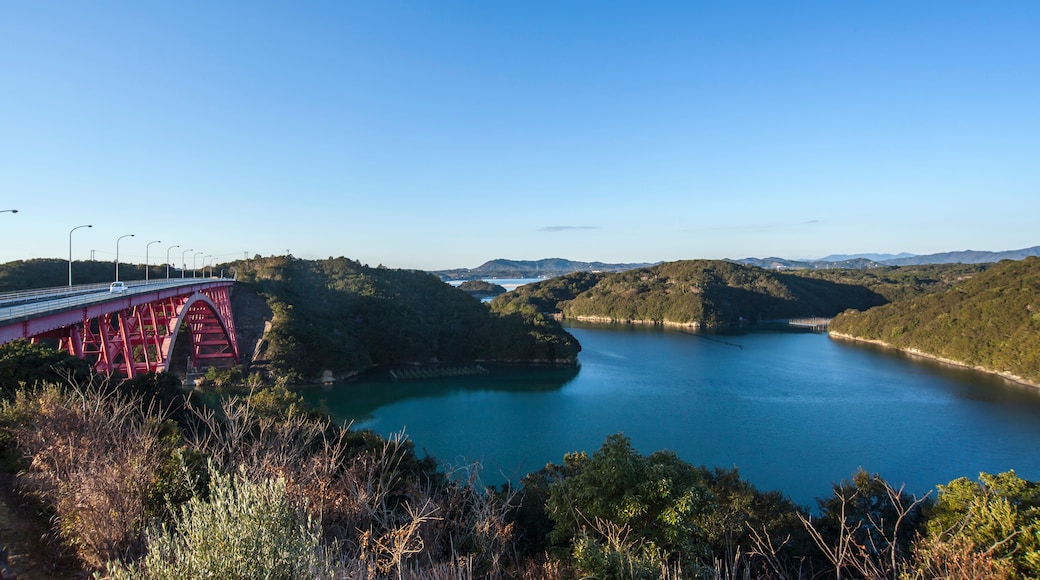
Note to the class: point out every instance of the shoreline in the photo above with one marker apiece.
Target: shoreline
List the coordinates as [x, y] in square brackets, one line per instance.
[631, 321]
[921, 354]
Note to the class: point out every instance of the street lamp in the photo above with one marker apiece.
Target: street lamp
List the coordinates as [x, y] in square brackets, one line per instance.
[146, 264]
[193, 258]
[184, 265]
[8, 210]
[117, 252]
[70, 247]
[204, 260]
[168, 260]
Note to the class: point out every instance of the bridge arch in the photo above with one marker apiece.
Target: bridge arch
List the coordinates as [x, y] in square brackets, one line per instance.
[211, 334]
[132, 332]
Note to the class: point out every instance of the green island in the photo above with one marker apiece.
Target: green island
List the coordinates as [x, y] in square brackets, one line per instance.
[481, 288]
[716, 294]
[143, 479]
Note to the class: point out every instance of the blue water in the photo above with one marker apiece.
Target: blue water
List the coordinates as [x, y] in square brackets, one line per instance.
[794, 412]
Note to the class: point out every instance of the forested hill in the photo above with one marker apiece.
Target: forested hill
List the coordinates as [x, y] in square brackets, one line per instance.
[990, 321]
[54, 272]
[342, 316]
[708, 293]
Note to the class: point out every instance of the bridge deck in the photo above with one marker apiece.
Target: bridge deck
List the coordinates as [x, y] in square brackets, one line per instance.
[24, 314]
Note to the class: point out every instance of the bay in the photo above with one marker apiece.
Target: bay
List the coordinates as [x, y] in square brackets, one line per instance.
[792, 411]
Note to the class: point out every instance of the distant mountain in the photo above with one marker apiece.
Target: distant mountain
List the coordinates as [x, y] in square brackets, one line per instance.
[965, 257]
[545, 268]
[871, 257]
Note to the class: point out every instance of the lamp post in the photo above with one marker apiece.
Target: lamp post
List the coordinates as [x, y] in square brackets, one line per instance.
[70, 248]
[117, 252]
[184, 264]
[204, 260]
[168, 260]
[8, 210]
[193, 259]
[146, 263]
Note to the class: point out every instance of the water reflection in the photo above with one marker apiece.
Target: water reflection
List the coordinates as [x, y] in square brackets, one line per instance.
[961, 382]
[356, 401]
[794, 412]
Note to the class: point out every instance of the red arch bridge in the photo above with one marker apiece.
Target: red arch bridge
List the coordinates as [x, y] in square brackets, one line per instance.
[130, 332]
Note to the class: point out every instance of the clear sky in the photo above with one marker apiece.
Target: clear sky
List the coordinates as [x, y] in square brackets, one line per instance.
[443, 134]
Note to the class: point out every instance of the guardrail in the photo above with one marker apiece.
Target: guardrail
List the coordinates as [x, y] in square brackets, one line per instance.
[84, 295]
[42, 293]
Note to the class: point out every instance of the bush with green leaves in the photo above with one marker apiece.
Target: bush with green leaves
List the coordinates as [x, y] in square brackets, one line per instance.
[998, 514]
[243, 530]
[29, 364]
[625, 515]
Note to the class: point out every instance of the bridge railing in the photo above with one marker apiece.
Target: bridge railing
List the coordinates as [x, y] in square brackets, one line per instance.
[8, 298]
[56, 299]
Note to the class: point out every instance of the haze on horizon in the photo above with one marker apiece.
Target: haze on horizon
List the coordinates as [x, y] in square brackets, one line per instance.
[443, 135]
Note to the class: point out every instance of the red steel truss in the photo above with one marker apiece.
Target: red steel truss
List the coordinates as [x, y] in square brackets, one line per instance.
[140, 337]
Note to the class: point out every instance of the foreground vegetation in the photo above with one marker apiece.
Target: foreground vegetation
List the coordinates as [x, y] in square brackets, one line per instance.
[139, 480]
[991, 321]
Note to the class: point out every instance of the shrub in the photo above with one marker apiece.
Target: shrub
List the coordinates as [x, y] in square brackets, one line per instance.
[997, 516]
[245, 530]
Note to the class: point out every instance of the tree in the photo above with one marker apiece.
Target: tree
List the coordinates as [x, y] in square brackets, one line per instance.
[997, 515]
[867, 526]
[25, 363]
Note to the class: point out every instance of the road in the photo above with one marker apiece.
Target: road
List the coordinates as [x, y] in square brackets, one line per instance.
[32, 303]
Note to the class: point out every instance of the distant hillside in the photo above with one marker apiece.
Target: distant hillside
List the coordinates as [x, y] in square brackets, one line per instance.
[54, 272]
[705, 293]
[872, 257]
[966, 257]
[990, 321]
[545, 268]
[785, 264]
[877, 260]
[900, 282]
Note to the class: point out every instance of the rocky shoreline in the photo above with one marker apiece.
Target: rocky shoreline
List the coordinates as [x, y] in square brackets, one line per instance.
[918, 353]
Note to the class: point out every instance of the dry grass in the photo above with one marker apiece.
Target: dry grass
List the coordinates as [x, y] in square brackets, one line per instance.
[386, 522]
[92, 458]
[956, 559]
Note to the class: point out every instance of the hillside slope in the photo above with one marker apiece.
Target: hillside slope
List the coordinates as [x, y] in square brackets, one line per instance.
[702, 293]
[991, 321]
[341, 316]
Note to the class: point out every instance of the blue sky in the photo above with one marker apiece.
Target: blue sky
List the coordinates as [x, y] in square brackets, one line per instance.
[443, 134]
